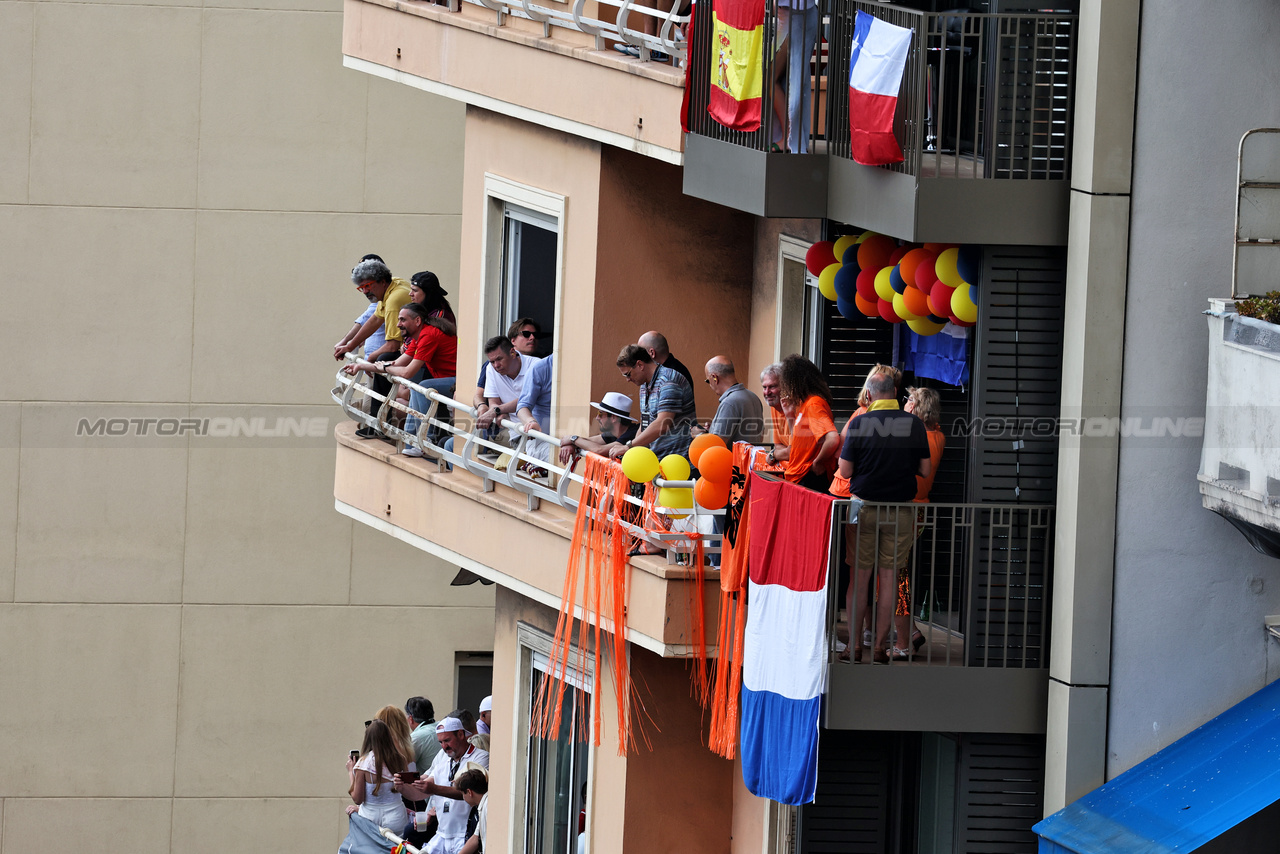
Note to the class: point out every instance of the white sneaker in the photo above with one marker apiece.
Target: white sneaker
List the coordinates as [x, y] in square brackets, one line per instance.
[411, 451]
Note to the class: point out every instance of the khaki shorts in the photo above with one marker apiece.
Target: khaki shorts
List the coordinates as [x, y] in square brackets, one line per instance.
[884, 536]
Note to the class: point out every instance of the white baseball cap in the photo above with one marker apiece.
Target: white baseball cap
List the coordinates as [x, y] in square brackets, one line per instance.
[486, 705]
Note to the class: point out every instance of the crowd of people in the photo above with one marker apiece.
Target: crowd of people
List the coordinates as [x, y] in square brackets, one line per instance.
[883, 454]
[426, 781]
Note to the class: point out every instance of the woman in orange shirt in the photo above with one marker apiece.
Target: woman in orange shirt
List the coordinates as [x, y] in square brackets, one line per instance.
[815, 444]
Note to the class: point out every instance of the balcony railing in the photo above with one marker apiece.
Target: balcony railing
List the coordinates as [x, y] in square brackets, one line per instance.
[978, 574]
[529, 467]
[982, 96]
[629, 23]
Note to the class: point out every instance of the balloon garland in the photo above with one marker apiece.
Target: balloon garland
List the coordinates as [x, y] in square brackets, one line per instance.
[926, 286]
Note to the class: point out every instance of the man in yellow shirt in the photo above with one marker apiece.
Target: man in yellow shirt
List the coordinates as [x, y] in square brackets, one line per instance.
[373, 278]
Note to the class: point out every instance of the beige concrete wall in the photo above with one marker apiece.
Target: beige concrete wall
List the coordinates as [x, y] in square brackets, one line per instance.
[192, 636]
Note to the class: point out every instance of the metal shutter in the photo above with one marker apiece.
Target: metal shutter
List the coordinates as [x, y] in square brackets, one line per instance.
[1000, 793]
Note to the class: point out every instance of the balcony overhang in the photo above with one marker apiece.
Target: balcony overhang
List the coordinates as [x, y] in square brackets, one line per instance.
[757, 182]
[554, 82]
[497, 536]
[937, 698]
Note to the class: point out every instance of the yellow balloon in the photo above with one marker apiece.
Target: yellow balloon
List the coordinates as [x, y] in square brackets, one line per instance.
[678, 499]
[883, 287]
[843, 244]
[900, 306]
[640, 464]
[945, 267]
[864, 235]
[925, 327]
[827, 281]
[962, 304]
[675, 467]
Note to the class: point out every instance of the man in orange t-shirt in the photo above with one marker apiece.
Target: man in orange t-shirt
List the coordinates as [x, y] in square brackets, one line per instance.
[771, 391]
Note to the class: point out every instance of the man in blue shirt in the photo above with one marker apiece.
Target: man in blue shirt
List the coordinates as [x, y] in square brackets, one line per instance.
[666, 404]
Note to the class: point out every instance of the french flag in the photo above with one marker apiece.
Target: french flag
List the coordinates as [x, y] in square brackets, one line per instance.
[784, 660]
[876, 61]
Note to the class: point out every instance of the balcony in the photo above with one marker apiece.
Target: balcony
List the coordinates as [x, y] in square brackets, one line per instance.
[983, 117]
[981, 572]
[550, 63]
[1240, 460]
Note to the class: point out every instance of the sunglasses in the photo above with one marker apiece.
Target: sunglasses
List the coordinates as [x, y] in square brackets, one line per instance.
[366, 724]
[527, 333]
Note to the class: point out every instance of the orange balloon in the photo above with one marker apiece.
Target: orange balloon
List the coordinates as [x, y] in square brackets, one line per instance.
[907, 266]
[716, 465]
[710, 494]
[874, 252]
[917, 303]
[700, 443]
[869, 307]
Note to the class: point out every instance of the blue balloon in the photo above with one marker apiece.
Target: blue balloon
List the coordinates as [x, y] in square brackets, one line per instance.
[969, 263]
[850, 258]
[847, 283]
[895, 279]
[936, 319]
[848, 310]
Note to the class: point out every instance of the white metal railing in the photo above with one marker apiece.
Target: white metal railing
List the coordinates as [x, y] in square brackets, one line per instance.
[572, 15]
[525, 471]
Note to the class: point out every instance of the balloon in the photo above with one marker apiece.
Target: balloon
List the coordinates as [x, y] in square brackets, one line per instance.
[867, 284]
[926, 276]
[869, 307]
[701, 442]
[910, 263]
[710, 495]
[850, 257]
[887, 312]
[848, 310]
[884, 289]
[875, 251]
[969, 263]
[941, 321]
[940, 300]
[827, 281]
[962, 304]
[897, 254]
[675, 467]
[955, 321]
[865, 235]
[917, 303]
[846, 282]
[820, 256]
[900, 308]
[677, 499]
[640, 465]
[939, 248]
[717, 465]
[895, 280]
[945, 267]
[843, 244]
[925, 327]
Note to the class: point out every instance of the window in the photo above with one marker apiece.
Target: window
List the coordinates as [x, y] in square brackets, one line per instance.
[529, 270]
[556, 771]
[801, 308]
[474, 679]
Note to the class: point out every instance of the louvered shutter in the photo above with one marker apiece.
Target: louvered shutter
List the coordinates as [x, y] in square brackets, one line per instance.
[853, 805]
[1000, 793]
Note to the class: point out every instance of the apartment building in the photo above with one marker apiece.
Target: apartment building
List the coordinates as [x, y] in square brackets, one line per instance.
[1091, 610]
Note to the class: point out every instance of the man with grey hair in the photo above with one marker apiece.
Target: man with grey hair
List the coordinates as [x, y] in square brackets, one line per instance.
[373, 279]
[436, 784]
[740, 415]
[656, 344]
[771, 386]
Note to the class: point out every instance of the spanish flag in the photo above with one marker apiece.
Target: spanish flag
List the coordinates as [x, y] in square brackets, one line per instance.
[737, 63]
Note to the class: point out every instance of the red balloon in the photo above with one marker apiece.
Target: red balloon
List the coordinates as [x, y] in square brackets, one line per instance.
[917, 303]
[887, 312]
[820, 256]
[940, 300]
[958, 322]
[926, 276]
[898, 254]
[939, 248]
[716, 465]
[874, 252]
[869, 307]
[710, 494]
[866, 285]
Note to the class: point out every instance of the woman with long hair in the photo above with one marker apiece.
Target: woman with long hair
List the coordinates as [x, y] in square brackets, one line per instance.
[396, 721]
[815, 444]
[372, 789]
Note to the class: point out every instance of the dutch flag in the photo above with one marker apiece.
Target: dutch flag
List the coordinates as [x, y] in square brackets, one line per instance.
[784, 661]
[876, 61]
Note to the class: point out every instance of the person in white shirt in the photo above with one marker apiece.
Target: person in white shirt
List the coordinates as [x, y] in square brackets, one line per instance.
[486, 708]
[505, 380]
[451, 811]
[474, 786]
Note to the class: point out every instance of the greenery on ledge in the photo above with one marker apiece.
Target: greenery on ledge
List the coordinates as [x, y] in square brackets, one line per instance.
[1265, 307]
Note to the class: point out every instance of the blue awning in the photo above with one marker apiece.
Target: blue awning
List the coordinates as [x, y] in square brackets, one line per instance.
[1194, 790]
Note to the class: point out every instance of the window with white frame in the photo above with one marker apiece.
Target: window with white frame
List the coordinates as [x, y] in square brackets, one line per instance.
[529, 264]
[801, 308]
[556, 770]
